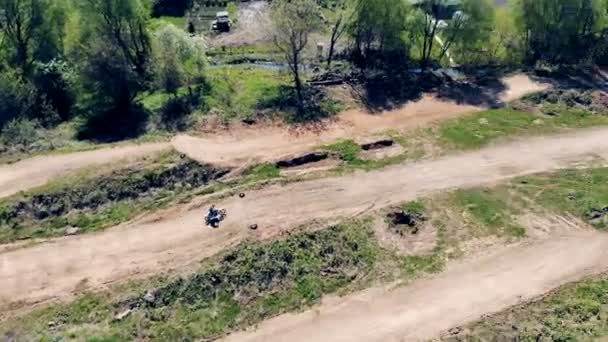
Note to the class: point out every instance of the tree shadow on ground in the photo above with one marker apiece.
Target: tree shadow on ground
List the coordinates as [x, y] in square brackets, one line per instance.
[479, 86]
[384, 90]
[316, 108]
[114, 124]
[572, 77]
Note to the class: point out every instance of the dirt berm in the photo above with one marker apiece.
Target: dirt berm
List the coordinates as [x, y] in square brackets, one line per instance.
[179, 239]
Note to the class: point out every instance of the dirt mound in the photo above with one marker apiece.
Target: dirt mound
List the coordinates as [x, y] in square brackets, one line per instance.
[552, 100]
[132, 183]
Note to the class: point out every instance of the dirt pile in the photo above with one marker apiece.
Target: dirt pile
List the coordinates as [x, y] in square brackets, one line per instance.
[551, 101]
[117, 186]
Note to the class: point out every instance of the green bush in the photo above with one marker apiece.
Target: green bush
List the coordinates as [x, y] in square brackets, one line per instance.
[20, 133]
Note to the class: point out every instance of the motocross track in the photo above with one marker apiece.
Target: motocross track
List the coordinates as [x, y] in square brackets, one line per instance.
[254, 144]
[178, 239]
[37, 171]
[269, 144]
[461, 294]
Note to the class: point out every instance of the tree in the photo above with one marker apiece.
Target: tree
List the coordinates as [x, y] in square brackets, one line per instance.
[471, 24]
[122, 23]
[293, 22]
[21, 21]
[115, 50]
[427, 19]
[337, 31]
[179, 58]
[560, 31]
[378, 25]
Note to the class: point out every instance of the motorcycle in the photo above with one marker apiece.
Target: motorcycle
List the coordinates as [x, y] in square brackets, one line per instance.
[214, 221]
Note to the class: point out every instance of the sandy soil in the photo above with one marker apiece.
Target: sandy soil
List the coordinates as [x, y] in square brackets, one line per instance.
[36, 171]
[251, 145]
[178, 239]
[463, 293]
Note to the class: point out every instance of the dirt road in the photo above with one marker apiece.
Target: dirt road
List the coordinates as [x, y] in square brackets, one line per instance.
[253, 27]
[459, 295]
[251, 145]
[60, 266]
[264, 144]
[36, 171]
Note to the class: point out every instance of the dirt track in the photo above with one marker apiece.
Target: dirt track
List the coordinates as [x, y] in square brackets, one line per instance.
[459, 295]
[36, 171]
[265, 144]
[60, 266]
[254, 144]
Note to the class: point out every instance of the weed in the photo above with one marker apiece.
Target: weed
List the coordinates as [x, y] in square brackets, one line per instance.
[575, 312]
[490, 211]
[261, 172]
[479, 129]
[578, 192]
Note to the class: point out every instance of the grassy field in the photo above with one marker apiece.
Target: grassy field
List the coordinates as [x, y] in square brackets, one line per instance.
[239, 92]
[480, 129]
[582, 193]
[575, 312]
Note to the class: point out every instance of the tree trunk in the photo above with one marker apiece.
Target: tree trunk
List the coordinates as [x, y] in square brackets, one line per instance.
[298, 83]
[335, 34]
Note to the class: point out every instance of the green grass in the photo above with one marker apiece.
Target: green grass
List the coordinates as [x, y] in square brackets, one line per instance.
[480, 129]
[577, 192]
[575, 312]
[261, 172]
[490, 210]
[239, 288]
[239, 92]
[414, 207]
[179, 22]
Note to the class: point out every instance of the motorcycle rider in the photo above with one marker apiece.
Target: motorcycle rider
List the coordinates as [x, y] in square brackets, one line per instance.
[212, 213]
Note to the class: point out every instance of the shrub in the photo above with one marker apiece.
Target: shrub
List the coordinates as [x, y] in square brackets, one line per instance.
[20, 133]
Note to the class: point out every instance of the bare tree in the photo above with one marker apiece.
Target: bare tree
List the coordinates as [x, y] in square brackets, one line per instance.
[293, 22]
[337, 30]
[429, 11]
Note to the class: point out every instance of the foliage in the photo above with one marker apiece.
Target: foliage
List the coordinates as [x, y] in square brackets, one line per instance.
[20, 133]
[293, 22]
[560, 31]
[468, 32]
[574, 312]
[240, 92]
[179, 58]
[378, 25]
[116, 68]
[17, 97]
